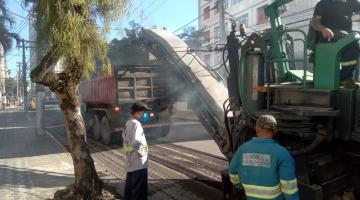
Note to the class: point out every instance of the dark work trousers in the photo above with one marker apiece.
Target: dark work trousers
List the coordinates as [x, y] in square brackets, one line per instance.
[349, 57]
[136, 186]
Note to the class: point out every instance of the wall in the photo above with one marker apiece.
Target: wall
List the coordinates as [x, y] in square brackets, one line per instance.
[251, 13]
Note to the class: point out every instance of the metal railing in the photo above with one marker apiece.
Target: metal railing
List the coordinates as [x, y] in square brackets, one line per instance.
[304, 60]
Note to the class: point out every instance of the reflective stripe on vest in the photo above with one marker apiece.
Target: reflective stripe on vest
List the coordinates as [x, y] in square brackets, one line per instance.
[289, 187]
[128, 149]
[262, 192]
[143, 149]
[349, 63]
[234, 178]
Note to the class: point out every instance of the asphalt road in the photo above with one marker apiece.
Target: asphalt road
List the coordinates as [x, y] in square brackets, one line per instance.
[197, 177]
[190, 134]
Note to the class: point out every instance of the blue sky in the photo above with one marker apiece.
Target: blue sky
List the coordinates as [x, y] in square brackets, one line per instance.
[171, 14]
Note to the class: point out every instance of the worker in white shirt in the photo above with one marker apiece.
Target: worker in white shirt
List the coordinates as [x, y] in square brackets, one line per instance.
[136, 149]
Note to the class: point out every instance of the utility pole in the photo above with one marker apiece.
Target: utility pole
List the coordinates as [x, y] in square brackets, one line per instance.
[39, 89]
[24, 76]
[40, 109]
[18, 83]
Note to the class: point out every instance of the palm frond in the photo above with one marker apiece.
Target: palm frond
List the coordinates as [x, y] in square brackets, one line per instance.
[6, 37]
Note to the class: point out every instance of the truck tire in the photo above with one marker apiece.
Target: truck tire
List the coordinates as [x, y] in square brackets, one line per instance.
[162, 131]
[96, 128]
[157, 132]
[105, 131]
[88, 121]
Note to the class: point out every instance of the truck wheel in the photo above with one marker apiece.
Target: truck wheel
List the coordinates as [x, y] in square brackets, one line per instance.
[88, 120]
[96, 128]
[164, 131]
[105, 131]
[157, 132]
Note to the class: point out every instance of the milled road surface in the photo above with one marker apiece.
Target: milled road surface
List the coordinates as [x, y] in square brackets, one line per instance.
[174, 172]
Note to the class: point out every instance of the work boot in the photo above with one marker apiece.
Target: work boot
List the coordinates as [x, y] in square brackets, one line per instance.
[349, 84]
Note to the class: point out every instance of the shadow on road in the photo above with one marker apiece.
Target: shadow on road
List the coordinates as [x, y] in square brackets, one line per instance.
[18, 138]
[160, 189]
[29, 178]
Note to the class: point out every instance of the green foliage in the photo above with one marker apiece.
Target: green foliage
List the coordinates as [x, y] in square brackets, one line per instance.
[10, 86]
[71, 27]
[6, 37]
[192, 37]
[128, 50]
[134, 31]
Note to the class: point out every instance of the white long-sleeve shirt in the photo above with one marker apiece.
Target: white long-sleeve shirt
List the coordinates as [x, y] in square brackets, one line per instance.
[135, 146]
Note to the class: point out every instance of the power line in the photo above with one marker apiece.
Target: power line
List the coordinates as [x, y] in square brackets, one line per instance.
[139, 6]
[11, 12]
[149, 5]
[21, 27]
[187, 24]
[159, 6]
[22, 5]
[191, 21]
[128, 11]
[22, 24]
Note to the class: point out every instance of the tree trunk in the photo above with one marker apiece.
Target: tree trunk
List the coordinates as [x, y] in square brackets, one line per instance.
[87, 184]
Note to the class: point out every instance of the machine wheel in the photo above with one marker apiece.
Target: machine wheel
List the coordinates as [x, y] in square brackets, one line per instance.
[105, 131]
[96, 128]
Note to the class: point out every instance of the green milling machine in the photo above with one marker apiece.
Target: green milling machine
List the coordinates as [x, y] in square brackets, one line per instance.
[319, 121]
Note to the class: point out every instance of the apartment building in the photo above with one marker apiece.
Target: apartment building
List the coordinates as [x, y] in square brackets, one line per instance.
[296, 14]
[4, 74]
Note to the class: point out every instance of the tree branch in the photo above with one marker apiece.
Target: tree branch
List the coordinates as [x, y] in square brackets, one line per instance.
[43, 73]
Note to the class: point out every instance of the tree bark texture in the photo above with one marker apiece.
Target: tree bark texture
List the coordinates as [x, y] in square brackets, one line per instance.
[87, 185]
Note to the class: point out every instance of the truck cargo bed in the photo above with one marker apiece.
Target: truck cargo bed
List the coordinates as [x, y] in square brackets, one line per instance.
[131, 83]
[99, 90]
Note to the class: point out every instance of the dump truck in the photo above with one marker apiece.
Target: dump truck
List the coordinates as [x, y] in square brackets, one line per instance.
[106, 99]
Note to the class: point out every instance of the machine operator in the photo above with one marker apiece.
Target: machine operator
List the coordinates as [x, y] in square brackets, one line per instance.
[332, 18]
[265, 169]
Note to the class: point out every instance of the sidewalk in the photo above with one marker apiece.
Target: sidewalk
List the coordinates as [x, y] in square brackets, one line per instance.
[31, 167]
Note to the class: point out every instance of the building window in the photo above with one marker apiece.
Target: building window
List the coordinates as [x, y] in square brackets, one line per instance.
[218, 58]
[233, 2]
[226, 4]
[261, 17]
[217, 33]
[207, 59]
[206, 12]
[206, 36]
[243, 19]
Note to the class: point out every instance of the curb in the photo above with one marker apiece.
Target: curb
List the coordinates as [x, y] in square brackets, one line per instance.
[57, 142]
[107, 186]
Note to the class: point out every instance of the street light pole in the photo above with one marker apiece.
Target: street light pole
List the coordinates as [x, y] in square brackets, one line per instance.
[17, 83]
[24, 76]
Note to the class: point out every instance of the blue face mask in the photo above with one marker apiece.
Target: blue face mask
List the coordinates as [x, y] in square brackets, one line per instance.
[144, 118]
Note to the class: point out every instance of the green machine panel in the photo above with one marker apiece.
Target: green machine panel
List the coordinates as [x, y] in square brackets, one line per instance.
[356, 133]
